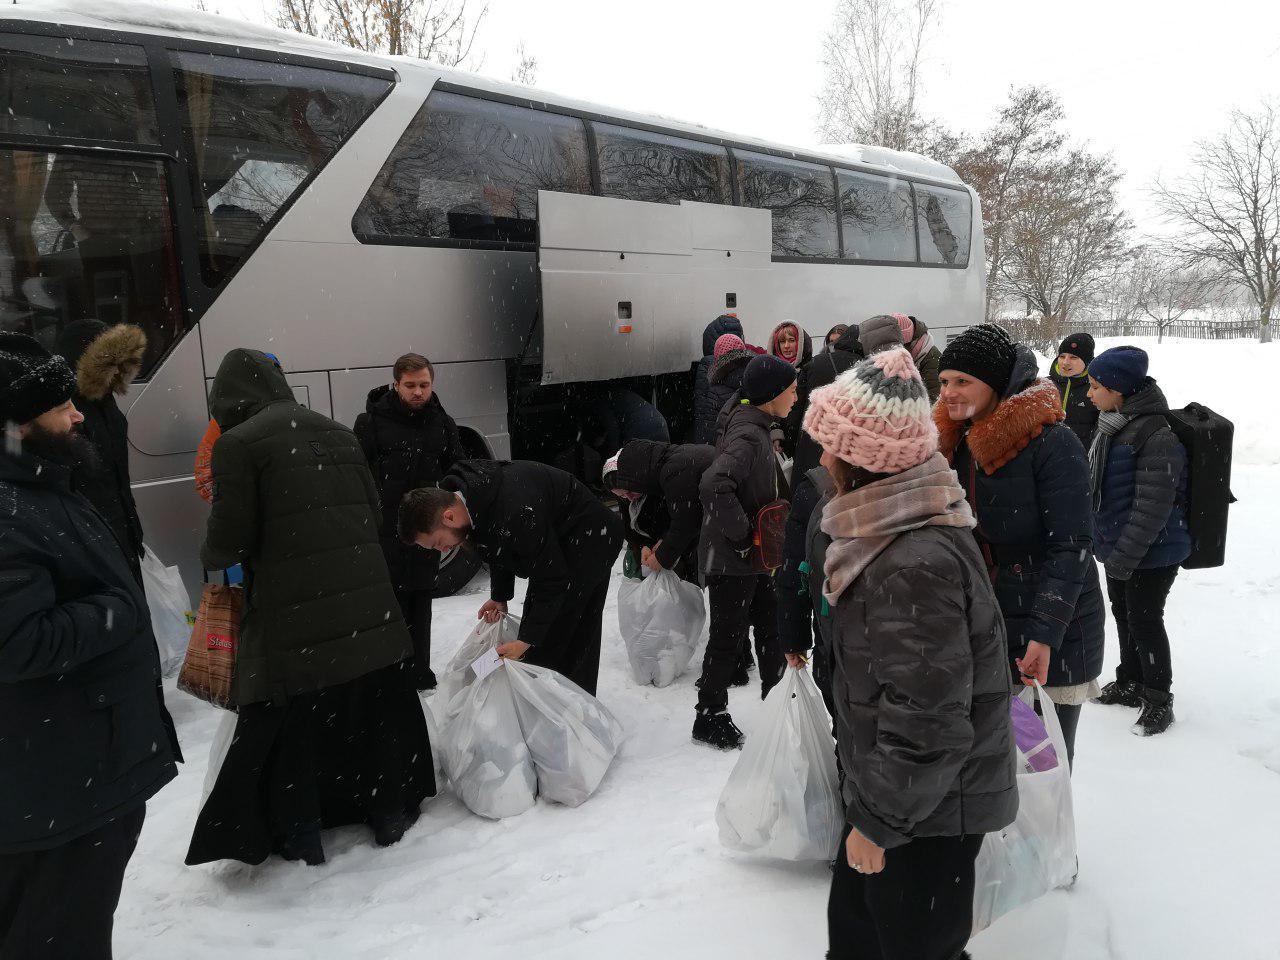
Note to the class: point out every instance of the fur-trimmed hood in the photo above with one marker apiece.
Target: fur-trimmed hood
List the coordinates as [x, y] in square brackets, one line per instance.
[106, 359]
[732, 362]
[1030, 406]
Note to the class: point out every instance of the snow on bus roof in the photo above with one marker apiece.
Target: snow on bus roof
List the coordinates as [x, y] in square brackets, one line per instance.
[140, 16]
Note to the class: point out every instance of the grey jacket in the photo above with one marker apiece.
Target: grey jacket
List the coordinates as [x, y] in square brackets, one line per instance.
[921, 682]
[742, 479]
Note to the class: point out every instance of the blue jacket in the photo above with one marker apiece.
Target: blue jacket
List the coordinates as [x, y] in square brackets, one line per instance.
[1141, 520]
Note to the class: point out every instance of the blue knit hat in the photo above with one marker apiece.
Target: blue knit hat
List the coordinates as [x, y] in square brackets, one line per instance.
[1122, 369]
[766, 378]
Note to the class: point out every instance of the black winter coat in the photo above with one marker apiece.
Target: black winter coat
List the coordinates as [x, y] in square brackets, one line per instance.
[922, 693]
[818, 372]
[743, 478]
[1028, 484]
[294, 501]
[1082, 415]
[406, 449]
[106, 361]
[704, 408]
[533, 521]
[724, 383]
[84, 733]
[670, 477]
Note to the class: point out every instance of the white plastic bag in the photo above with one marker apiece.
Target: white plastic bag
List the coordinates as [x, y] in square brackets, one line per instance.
[171, 614]
[571, 735]
[483, 750]
[1037, 852]
[218, 750]
[458, 675]
[781, 800]
[661, 619]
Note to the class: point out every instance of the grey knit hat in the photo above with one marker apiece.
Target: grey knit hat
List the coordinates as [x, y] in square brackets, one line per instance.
[879, 333]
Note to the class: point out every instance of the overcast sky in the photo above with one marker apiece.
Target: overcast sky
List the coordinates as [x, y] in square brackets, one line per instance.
[1142, 80]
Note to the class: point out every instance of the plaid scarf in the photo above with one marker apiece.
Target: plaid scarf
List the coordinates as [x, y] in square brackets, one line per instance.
[864, 521]
[1109, 424]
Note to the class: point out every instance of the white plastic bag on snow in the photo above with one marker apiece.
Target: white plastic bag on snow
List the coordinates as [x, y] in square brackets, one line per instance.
[661, 619]
[483, 751]
[218, 750]
[781, 800]
[171, 614]
[571, 735]
[458, 675]
[1037, 852]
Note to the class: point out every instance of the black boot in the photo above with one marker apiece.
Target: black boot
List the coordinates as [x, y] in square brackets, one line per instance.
[717, 730]
[1120, 693]
[740, 677]
[1157, 713]
[305, 846]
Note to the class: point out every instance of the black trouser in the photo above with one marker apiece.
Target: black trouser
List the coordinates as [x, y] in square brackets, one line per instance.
[739, 604]
[60, 904]
[415, 605]
[1069, 720]
[1138, 606]
[919, 907]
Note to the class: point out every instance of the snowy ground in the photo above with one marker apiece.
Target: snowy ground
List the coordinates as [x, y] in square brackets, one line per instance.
[1178, 835]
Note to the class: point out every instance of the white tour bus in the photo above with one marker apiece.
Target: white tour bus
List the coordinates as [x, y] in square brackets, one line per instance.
[223, 185]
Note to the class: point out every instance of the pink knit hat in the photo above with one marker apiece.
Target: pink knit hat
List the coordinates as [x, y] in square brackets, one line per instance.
[876, 415]
[905, 325]
[726, 342]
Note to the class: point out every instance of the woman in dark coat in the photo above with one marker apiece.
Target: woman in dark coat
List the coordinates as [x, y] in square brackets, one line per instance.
[724, 382]
[1028, 481]
[106, 359]
[329, 728]
[409, 442]
[704, 409]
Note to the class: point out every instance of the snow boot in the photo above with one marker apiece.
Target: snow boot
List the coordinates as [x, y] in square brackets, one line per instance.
[1157, 714]
[392, 829]
[1120, 693]
[740, 677]
[717, 730]
[305, 846]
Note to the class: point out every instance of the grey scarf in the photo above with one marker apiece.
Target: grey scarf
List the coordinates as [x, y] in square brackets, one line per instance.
[1109, 424]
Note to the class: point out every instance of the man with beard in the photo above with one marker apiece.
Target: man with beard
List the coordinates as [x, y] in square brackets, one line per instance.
[85, 739]
[528, 520]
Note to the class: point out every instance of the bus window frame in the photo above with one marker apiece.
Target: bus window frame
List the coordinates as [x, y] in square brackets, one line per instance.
[195, 297]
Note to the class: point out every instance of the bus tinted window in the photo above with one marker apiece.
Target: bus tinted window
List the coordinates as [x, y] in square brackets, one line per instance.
[877, 217]
[53, 87]
[943, 221]
[802, 197]
[471, 169]
[256, 131]
[87, 236]
[659, 168]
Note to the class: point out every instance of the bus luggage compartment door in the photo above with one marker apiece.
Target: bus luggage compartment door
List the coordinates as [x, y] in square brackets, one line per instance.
[615, 283]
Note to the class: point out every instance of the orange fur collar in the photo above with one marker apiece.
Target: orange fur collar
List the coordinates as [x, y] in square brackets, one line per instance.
[999, 438]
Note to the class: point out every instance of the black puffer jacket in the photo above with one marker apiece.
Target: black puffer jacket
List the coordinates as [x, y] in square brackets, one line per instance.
[704, 408]
[922, 693]
[106, 360]
[725, 382]
[818, 372]
[743, 478]
[1028, 483]
[84, 733]
[670, 477]
[1082, 415]
[294, 501]
[406, 449]
[533, 521]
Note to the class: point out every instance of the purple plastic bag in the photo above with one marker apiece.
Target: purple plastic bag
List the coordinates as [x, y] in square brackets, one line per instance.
[1030, 735]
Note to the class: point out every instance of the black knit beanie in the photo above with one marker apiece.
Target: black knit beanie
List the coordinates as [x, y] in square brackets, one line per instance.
[985, 353]
[1078, 345]
[766, 378]
[32, 380]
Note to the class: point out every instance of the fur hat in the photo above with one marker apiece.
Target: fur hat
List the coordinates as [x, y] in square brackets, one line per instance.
[106, 359]
[32, 380]
[984, 352]
[876, 415]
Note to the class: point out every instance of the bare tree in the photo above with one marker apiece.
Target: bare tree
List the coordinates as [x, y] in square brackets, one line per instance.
[1228, 208]
[526, 70]
[440, 30]
[1169, 287]
[1066, 234]
[872, 56]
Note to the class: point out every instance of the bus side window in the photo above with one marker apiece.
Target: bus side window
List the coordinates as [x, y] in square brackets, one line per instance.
[943, 218]
[658, 168]
[877, 217]
[256, 132]
[802, 197]
[470, 169]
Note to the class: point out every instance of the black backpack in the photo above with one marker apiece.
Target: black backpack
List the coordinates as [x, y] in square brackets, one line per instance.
[1207, 438]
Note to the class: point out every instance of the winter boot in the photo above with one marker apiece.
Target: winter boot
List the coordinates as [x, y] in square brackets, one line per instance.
[717, 730]
[1157, 713]
[305, 846]
[740, 677]
[392, 829]
[1120, 693]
